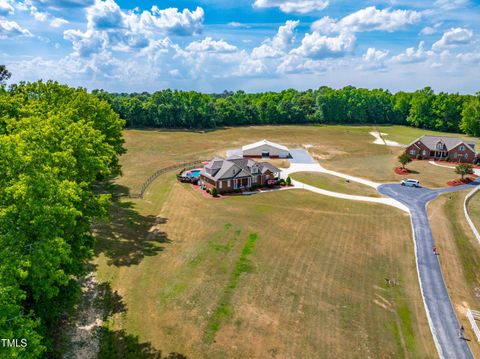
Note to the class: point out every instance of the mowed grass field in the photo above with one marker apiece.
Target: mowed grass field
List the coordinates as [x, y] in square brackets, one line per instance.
[349, 149]
[334, 184]
[276, 275]
[459, 255]
[289, 274]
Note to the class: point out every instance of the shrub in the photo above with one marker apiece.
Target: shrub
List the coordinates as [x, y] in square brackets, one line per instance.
[404, 159]
[419, 156]
[288, 181]
[214, 192]
[208, 190]
[282, 182]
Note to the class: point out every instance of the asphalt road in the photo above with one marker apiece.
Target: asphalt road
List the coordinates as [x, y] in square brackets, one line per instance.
[442, 318]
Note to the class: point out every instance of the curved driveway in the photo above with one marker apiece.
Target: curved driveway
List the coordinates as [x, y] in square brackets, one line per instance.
[440, 312]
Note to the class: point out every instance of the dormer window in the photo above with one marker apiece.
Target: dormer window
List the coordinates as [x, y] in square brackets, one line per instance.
[254, 169]
[439, 146]
[462, 148]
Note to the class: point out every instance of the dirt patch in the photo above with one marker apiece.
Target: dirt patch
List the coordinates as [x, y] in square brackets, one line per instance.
[84, 332]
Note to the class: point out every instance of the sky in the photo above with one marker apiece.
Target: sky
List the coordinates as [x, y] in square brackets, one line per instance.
[251, 45]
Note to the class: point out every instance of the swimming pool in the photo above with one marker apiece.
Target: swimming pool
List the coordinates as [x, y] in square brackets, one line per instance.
[193, 174]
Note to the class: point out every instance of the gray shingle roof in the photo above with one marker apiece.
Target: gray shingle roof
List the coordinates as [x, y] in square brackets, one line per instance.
[218, 168]
[448, 143]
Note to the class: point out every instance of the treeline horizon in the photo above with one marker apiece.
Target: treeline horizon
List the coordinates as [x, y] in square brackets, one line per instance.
[175, 109]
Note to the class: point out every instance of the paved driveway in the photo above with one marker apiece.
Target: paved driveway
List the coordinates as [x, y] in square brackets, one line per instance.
[441, 316]
[300, 156]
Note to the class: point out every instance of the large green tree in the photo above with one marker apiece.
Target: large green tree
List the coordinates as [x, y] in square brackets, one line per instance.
[470, 123]
[56, 143]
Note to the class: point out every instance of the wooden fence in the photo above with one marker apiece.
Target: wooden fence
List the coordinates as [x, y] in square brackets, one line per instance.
[473, 316]
[161, 171]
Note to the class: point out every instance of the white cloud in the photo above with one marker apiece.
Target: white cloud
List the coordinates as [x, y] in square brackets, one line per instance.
[109, 27]
[316, 46]
[210, 45]
[413, 55]
[276, 47]
[6, 8]
[470, 57]
[238, 25]
[10, 29]
[40, 15]
[454, 37]
[450, 4]
[369, 19]
[430, 30]
[374, 59]
[293, 6]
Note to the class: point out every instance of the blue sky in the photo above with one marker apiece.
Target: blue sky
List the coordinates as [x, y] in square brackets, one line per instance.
[254, 45]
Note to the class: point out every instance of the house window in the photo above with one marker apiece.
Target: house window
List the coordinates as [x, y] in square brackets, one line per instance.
[228, 183]
[254, 179]
[462, 148]
[424, 153]
[439, 146]
[455, 155]
[466, 156]
[412, 152]
[220, 183]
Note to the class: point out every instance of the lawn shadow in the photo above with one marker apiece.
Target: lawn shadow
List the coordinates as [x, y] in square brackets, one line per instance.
[117, 344]
[128, 236]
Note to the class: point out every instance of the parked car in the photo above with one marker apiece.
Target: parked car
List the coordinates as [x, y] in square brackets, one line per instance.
[410, 183]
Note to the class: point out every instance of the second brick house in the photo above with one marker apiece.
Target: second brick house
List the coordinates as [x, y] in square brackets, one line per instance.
[442, 148]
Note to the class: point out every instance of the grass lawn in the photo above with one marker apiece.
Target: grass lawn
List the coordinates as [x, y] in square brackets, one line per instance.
[348, 149]
[474, 209]
[335, 184]
[286, 274]
[283, 274]
[459, 257]
[405, 135]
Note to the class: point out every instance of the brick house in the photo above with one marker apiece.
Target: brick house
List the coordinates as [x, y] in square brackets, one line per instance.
[442, 148]
[237, 173]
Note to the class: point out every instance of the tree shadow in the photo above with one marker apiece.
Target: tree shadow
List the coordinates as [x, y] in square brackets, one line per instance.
[128, 236]
[117, 344]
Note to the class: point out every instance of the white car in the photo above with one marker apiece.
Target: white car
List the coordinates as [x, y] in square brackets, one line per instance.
[410, 183]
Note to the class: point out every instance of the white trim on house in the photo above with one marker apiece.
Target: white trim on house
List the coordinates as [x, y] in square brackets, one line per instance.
[264, 142]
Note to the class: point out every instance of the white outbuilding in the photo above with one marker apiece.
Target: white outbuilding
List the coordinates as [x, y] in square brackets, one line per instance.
[265, 149]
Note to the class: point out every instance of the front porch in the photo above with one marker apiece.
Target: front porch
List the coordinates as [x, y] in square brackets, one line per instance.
[438, 155]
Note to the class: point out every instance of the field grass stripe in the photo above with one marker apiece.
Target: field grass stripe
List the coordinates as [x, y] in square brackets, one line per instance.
[224, 308]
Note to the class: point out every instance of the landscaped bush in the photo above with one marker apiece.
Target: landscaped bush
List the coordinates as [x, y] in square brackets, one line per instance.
[208, 190]
[282, 182]
[288, 181]
[214, 192]
[419, 156]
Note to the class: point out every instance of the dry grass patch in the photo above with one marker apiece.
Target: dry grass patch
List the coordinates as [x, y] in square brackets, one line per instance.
[459, 257]
[314, 284]
[334, 184]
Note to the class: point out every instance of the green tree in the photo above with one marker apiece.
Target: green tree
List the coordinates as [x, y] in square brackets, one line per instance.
[214, 192]
[464, 169]
[4, 74]
[288, 181]
[470, 123]
[404, 159]
[57, 143]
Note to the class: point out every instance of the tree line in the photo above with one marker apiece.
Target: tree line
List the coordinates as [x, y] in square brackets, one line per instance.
[56, 145]
[450, 112]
